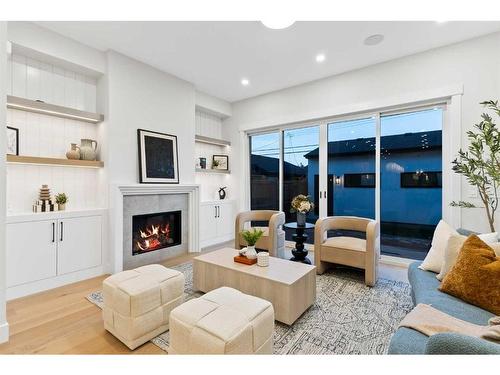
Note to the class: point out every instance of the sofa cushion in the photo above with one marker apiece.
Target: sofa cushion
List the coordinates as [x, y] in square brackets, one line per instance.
[435, 256]
[425, 290]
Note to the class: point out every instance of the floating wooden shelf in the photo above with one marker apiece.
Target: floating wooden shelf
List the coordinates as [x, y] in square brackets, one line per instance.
[54, 161]
[218, 171]
[212, 141]
[29, 105]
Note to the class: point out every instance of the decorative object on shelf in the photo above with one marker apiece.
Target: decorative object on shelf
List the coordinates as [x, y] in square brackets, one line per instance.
[61, 200]
[263, 259]
[242, 251]
[158, 157]
[220, 162]
[251, 237]
[45, 203]
[479, 164]
[203, 163]
[88, 149]
[301, 204]
[74, 152]
[222, 192]
[12, 141]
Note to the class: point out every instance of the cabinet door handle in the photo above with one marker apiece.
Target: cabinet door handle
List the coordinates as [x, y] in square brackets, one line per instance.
[53, 232]
[215, 216]
[320, 194]
[62, 232]
[324, 194]
[218, 211]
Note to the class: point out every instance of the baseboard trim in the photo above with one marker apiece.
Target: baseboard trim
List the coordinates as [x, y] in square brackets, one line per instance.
[396, 261]
[4, 332]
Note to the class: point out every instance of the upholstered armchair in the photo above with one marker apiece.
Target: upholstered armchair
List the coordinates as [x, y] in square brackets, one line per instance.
[345, 250]
[273, 239]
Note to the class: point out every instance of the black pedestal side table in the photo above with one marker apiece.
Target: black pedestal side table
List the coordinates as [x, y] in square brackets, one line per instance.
[299, 253]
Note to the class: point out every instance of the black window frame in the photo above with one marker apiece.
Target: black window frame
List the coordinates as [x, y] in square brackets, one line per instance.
[435, 186]
[350, 186]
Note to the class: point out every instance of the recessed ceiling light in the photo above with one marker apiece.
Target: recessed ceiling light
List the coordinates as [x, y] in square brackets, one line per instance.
[245, 82]
[277, 24]
[320, 57]
[374, 39]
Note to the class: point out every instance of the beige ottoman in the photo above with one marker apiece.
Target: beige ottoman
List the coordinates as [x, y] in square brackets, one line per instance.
[137, 303]
[223, 321]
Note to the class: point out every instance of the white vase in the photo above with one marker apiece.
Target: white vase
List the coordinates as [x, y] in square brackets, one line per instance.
[251, 253]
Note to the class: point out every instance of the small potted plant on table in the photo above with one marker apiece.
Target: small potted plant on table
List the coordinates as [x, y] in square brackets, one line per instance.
[301, 204]
[251, 237]
[61, 200]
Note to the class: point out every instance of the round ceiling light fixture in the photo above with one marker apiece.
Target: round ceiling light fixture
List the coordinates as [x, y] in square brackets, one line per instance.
[245, 82]
[320, 57]
[277, 24]
[373, 40]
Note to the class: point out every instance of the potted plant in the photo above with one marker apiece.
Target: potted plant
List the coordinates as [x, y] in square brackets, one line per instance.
[61, 200]
[251, 237]
[301, 204]
[480, 164]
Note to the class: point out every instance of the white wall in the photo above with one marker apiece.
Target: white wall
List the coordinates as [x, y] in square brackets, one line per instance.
[4, 330]
[142, 97]
[474, 63]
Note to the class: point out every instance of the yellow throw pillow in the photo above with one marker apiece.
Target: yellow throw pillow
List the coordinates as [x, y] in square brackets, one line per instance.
[475, 277]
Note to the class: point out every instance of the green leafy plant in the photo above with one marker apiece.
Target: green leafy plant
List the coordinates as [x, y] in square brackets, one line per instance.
[215, 164]
[252, 236]
[61, 198]
[480, 164]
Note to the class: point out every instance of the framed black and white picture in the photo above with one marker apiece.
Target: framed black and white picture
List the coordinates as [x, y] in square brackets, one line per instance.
[12, 141]
[220, 162]
[158, 160]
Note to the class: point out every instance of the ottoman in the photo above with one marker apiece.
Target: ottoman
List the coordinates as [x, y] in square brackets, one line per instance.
[137, 303]
[223, 321]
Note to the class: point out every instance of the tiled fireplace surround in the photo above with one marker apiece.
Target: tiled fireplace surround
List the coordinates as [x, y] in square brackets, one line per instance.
[138, 199]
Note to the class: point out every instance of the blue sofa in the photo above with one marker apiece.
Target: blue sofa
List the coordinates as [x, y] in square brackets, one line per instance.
[424, 290]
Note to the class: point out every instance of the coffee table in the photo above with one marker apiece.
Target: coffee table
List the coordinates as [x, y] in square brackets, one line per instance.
[289, 286]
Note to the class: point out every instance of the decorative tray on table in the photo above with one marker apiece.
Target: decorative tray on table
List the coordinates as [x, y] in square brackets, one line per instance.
[244, 260]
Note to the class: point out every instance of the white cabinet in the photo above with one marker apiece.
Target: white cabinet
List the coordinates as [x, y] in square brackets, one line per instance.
[49, 250]
[79, 244]
[216, 222]
[31, 251]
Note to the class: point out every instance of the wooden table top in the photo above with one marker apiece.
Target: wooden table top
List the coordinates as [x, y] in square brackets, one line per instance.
[279, 270]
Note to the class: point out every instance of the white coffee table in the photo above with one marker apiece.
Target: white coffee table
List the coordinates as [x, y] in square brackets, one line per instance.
[289, 286]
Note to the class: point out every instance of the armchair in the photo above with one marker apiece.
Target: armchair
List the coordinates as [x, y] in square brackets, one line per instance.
[273, 239]
[345, 250]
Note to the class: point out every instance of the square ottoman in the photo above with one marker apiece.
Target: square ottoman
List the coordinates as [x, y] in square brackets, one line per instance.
[137, 303]
[223, 321]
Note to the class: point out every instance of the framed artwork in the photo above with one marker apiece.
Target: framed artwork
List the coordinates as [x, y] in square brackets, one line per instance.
[158, 157]
[12, 141]
[220, 162]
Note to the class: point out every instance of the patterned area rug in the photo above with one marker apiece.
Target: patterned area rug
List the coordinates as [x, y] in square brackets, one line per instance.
[347, 318]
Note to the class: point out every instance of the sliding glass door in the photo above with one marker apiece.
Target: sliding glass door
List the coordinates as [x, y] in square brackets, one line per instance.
[338, 165]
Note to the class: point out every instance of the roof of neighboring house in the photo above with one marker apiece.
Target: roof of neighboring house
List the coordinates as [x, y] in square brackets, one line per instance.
[270, 166]
[400, 142]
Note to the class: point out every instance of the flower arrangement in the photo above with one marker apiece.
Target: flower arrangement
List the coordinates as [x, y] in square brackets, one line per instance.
[302, 204]
[252, 236]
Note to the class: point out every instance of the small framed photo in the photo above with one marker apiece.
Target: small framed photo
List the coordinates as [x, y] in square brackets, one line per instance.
[12, 141]
[158, 157]
[220, 162]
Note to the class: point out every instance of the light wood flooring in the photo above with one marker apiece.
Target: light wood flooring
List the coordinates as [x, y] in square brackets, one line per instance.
[62, 321]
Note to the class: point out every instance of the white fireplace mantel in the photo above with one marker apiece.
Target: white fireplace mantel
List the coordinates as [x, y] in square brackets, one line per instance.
[118, 191]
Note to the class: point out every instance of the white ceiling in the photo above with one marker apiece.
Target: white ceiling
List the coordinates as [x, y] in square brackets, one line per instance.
[215, 56]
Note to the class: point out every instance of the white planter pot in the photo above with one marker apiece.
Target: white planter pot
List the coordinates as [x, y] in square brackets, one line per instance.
[251, 253]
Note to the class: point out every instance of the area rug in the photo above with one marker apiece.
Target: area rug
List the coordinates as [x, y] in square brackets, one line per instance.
[347, 318]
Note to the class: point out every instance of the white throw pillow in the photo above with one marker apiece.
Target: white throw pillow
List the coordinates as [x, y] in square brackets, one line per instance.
[454, 246]
[434, 259]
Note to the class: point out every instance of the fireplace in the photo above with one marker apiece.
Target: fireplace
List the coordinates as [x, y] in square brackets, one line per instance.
[156, 231]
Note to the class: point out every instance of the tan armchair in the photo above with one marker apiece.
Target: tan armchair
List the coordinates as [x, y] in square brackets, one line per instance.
[349, 251]
[273, 239]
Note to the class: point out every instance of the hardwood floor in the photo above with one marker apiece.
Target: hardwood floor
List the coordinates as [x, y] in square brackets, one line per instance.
[62, 321]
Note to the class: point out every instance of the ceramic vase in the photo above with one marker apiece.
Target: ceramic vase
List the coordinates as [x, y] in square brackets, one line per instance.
[251, 253]
[301, 219]
[74, 152]
[88, 149]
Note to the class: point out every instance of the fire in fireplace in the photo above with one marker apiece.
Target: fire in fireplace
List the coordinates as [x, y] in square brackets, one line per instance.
[155, 231]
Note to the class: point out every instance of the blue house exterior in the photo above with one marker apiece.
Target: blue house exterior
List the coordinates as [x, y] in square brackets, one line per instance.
[405, 159]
